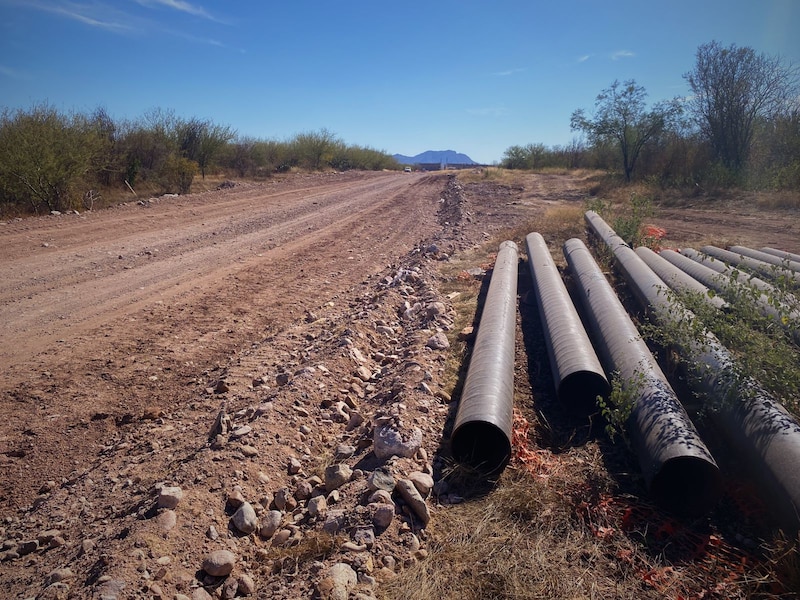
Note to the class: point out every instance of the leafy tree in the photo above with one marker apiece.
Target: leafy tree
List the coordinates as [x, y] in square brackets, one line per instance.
[732, 88]
[621, 116]
[45, 156]
[314, 149]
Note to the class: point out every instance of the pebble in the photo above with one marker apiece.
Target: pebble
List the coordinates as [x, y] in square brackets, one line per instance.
[317, 506]
[382, 514]
[336, 476]
[380, 480]
[169, 497]
[235, 498]
[247, 586]
[415, 501]
[423, 482]
[270, 523]
[229, 588]
[337, 585]
[166, 520]
[294, 466]
[438, 341]
[219, 563]
[388, 441]
[303, 489]
[245, 519]
[345, 451]
[249, 451]
[201, 594]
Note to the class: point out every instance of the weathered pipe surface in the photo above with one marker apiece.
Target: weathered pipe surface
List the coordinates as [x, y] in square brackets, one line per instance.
[678, 468]
[577, 373]
[723, 278]
[782, 254]
[679, 280]
[759, 266]
[757, 428]
[482, 431]
[786, 263]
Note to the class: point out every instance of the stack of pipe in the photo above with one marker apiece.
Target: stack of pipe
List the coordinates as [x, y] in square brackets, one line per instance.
[678, 468]
[756, 426]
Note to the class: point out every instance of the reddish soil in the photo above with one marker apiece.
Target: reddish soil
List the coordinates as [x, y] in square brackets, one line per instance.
[124, 331]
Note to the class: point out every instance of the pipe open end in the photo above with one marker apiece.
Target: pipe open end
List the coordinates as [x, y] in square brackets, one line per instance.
[482, 446]
[579, 390]
[687, 485]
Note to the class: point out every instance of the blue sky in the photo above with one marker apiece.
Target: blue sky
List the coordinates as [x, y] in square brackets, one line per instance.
[404, 77]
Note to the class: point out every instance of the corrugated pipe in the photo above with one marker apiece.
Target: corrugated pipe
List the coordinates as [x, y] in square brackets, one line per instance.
[786, 263]
[577, 373]
[679, 280]
[678, 468]
[782, 254]
[482, 431]
[758, 429]
[719, 276]
[759, 266]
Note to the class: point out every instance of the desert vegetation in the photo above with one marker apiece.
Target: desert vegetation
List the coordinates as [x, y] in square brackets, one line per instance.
[56, 161]
[739, 127]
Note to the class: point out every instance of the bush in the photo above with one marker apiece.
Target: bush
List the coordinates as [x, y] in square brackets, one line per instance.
[177, 174]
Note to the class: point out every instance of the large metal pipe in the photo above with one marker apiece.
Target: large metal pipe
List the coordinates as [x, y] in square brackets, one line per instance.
[751, 264]
[786, 263]
[758, 429]
[577, 373]
[782, 254]
[679, 280]
[482, 431]
[725, 279]
[678, 468]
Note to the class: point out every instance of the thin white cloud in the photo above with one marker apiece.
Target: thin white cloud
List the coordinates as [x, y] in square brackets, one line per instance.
[490, 111]
[508, 72]
[94, 14]
[181, 6]
[622, 54]
[584, 58]
[11, 73]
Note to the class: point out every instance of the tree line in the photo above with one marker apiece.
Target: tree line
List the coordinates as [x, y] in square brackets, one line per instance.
[739, 127]
[56, 161]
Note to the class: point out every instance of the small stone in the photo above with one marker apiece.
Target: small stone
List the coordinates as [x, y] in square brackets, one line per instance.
[283, 379]
[336, 476]
[169, 497]
[59, 575]
[337, 585]
[245, 519]
[438, 341]
[247, 586]
[345, 451]
[45, 537]
[364, 536]
[219, 563]
[236, 498]
[388, 441]
[380, 480]
[166, 520]
[281, 537]
[240, 432]
[380, 497]
[201, 594]
[270, 523]
[212, 533]
[415, 501]
[363, 373]
[317, 506]
[249, 451]
[303, 489]
[382, 514]
[281, 498]
[423, 482]
[229, 588]
[295, 466]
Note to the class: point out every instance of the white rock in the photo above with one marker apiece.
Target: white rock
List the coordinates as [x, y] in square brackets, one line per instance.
[336, 476]
[169, 497]
[245, 519]
[270, 523]
[219, 563]
[388, 441]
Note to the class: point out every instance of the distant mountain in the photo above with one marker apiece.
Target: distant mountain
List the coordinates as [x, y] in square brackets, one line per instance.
[450, 157]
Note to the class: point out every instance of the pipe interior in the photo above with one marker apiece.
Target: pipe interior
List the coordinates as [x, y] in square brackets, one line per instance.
[687, 485]
[579, 390]
[481, 445]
